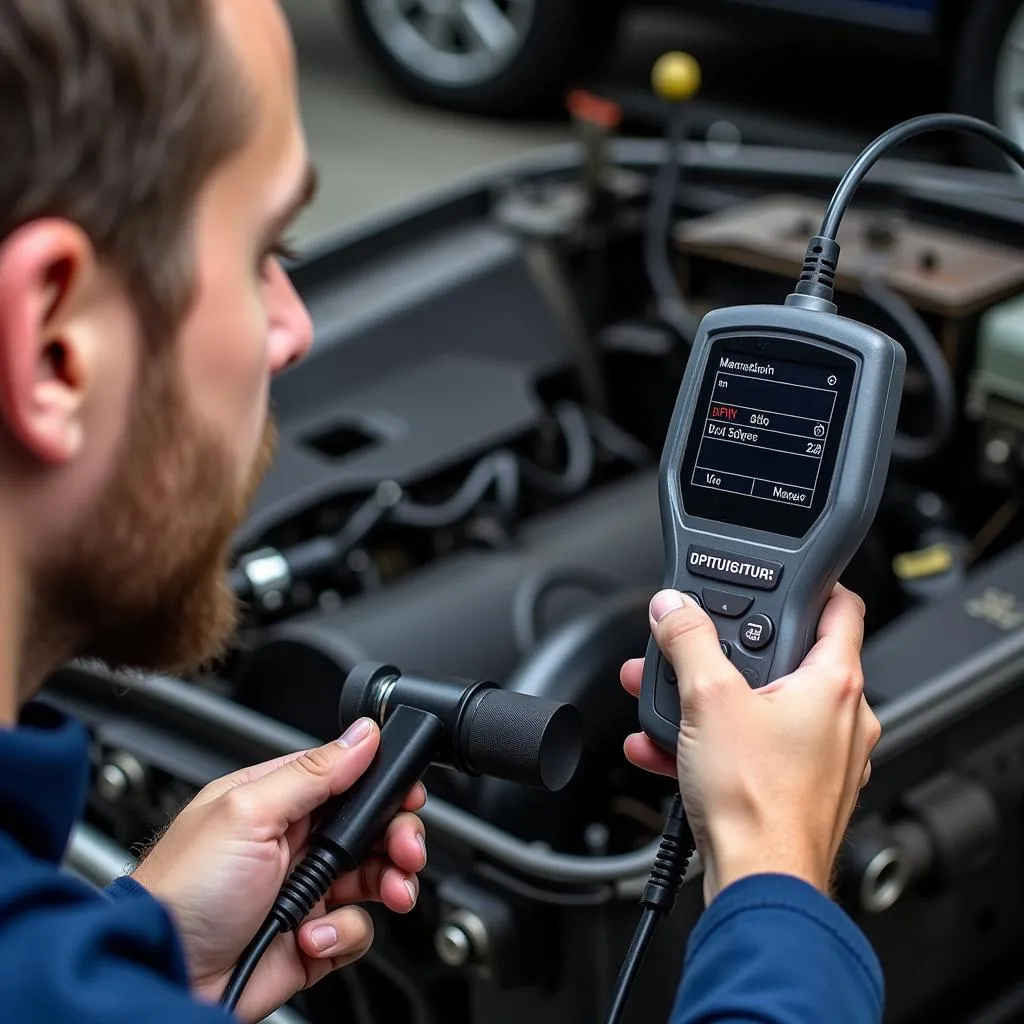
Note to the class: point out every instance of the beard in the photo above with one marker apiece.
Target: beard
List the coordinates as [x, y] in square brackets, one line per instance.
[142, 585]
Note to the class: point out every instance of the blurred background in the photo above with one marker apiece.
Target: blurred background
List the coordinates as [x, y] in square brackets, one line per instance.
[401, 96]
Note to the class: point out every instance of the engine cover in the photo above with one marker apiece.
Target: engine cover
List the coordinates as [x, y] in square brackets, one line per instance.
[459, 616]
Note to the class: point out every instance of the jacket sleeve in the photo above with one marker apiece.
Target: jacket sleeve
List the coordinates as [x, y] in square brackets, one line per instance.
[772, 949]
[69, 953]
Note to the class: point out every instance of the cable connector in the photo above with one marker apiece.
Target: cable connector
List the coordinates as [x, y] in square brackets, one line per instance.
[677, 847]
[817, 281]
[306, 886]
[658, 900]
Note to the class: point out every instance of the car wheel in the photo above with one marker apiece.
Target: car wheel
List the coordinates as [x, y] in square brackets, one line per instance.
[989, 75]
[498, 57]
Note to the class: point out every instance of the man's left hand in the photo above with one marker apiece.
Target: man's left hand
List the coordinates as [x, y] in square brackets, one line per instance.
[220, 865]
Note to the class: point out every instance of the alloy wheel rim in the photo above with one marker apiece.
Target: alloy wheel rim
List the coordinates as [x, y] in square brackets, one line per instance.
[455, 43]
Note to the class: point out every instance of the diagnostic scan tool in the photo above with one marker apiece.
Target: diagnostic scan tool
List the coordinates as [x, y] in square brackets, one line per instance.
[771, 474]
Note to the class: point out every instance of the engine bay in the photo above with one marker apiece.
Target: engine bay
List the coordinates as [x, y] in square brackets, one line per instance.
[466, 484]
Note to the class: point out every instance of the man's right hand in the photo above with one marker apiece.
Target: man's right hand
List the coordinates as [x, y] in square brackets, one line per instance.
[769, 777]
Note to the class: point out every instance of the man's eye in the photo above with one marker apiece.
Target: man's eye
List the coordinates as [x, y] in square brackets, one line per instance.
[283, 252]
[287, 252]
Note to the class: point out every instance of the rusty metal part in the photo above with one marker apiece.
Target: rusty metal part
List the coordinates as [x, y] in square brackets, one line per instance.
[939, 271]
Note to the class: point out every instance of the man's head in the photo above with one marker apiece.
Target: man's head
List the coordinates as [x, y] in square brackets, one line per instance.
[153, 157]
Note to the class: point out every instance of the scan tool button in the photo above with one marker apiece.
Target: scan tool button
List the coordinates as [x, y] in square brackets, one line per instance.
[756, 632]
[668, 672]
[752, 676]
[721, 602]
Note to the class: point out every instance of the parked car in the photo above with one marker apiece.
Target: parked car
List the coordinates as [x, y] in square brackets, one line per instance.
[504, 57]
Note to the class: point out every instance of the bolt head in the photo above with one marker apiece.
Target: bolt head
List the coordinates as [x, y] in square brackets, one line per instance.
[454, 947]
[112, 782]
[997, 451]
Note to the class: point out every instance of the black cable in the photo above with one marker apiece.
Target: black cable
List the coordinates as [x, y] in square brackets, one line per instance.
[420, 1010]
[658, 900]
[249, 961]
[303, 889]
[671, 307]
[502, 472]
[362, 1008]
[1006, 1008]
[896, 136]
[906, 447]
[580, 453]
[817, 279]
[594, 897]
[617, 442]
[631, 964]
[498, 470]
[367, 517]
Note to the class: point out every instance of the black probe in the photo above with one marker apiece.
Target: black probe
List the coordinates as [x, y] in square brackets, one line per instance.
[472, 727]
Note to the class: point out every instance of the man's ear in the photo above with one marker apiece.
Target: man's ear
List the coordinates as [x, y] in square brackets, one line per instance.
[48, 269]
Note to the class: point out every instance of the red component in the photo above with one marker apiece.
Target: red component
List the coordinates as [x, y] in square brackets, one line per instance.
[586, 106]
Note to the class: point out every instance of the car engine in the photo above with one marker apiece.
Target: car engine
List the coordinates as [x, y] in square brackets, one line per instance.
[466, 484]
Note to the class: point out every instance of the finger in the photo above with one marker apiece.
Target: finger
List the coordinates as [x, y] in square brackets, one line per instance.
[865, 733]
[335, 940]
[688, 638]
[870, 727]
[404, 843]
[296, 838]
[361, 885]
[416, 799]
[642, 752]
[832, 672]
[376, 881]
[840, 630]
[631, 675]
[218, 787]
[399, 890]
[301, 785]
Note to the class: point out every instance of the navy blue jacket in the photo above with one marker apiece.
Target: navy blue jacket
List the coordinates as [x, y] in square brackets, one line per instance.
[769, 950]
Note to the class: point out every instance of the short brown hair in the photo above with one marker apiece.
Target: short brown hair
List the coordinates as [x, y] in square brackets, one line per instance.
[113, 114]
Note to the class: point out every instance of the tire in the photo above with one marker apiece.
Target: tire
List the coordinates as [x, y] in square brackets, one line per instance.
[564, 41]
[979, 69]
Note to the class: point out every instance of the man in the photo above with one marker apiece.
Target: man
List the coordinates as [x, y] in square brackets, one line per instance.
[153, 158]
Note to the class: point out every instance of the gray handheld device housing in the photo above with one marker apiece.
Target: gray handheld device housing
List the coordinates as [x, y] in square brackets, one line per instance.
[771, 474]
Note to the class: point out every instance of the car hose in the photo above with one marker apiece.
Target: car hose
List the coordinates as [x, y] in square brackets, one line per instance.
[917, 333]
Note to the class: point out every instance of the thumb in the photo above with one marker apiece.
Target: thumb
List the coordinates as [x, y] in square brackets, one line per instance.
[294, 790]
[688, 639]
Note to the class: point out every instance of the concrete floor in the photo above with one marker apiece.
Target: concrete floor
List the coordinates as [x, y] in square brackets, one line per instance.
[373, 148]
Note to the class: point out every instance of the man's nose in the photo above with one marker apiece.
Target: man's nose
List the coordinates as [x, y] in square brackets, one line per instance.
[291, 331]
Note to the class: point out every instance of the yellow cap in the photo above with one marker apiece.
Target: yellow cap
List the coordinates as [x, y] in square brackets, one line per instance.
[919, 565]
[676, 76]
